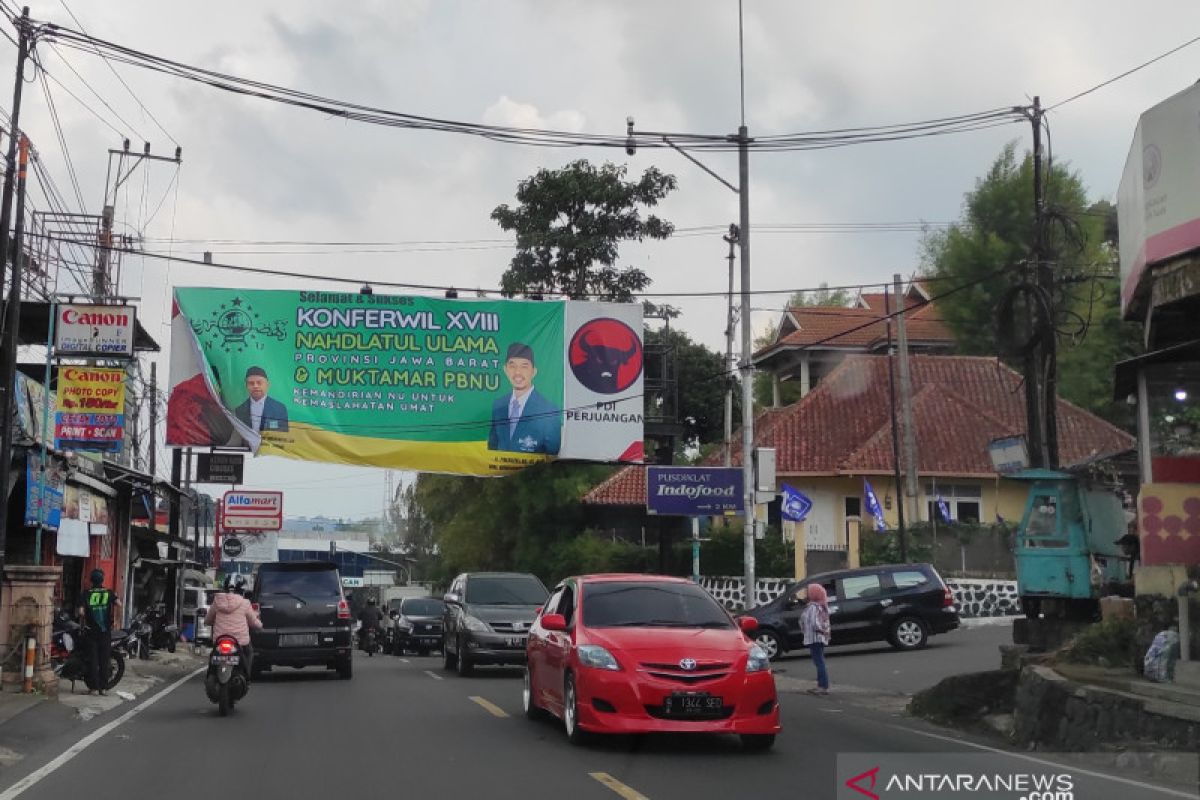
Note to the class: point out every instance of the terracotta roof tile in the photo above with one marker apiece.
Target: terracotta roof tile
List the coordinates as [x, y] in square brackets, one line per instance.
[852, 327]
[625, 487]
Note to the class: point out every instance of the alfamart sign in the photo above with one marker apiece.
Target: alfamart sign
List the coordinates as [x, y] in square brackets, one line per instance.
[474, 387]
[95, 331]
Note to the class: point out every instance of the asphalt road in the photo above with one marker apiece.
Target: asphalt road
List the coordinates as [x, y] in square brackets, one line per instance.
[877, 666]
[406, 728]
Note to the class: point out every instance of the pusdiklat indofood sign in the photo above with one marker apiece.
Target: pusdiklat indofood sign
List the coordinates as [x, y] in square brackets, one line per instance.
[472, 386]
[694, 491]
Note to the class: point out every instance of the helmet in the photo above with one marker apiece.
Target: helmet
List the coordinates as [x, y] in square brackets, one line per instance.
[235, 583]
[370, 601]
[97, 577]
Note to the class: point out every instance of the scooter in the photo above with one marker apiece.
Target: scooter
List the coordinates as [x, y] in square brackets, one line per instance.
[68, 651]
[370, 641]
[226, 682]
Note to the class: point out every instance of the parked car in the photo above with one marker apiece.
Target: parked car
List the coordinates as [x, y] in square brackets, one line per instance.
[487, 618]
[634, 654]
[306, 619]
[903, 604]
[418, 625]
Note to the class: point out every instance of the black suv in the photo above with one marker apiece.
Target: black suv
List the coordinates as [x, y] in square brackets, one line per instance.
[487, 618]
[418, 622]
[306, 619]
[903, 604]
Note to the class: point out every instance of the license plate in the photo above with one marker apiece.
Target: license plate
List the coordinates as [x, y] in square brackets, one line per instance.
[298, 640]
[692, 704]
[235, 660]
[516, 641]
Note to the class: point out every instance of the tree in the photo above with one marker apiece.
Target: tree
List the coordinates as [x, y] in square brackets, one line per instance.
[701, 378]
[764, 393]
[982, 256]
[569, 224]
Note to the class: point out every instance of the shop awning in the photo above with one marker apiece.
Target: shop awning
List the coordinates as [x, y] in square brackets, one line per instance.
[1125, 379]
[138, 480]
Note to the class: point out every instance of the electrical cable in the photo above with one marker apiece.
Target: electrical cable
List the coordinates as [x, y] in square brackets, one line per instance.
[1124, 74]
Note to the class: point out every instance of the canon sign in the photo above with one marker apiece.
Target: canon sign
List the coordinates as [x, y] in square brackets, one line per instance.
[91, 330]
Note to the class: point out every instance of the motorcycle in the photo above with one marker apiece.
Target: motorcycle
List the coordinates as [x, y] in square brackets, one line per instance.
[68, 653]
[164, 633]
[369, 640]
[227, 681]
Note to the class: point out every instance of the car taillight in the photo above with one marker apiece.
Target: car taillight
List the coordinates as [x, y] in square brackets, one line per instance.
[947, 597]
[225, 647]
[343, 609]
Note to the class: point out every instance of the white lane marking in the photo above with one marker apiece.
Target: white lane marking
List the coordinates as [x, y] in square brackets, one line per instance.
[404, 661]
[428, 672]
[33, 778]
[1043, 762]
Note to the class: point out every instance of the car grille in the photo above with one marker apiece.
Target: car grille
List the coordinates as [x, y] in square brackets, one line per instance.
[510, 627]
[427, 627]
[704, 671]
[658, 712]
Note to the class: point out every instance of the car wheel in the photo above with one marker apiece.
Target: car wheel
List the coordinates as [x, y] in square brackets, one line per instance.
[345, 668]
[908, 633]
[575, 735]
[449, 660]
[465, 667]
[528, 702]
[757, 742]
[768, 640]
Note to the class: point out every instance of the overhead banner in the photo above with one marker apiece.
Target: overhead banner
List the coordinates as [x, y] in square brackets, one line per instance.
[470, 387]
[90, 412]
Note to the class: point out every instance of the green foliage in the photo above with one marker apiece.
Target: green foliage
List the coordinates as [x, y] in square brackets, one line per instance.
[569, 224]
[884, 548]
[986, 251]
[701, 381]
[723, 553]
[1110, 643]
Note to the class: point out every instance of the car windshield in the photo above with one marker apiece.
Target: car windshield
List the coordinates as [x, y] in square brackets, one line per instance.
[507, 590]
[302, 583]
[651, 605]
[421, 608]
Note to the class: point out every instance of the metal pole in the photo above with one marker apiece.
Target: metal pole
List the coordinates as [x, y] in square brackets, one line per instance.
[42, 512]
[732, 239]
[906, 410]
[747, 368]
[887, 310]
[1047, 362]
[153, 455]
[13, 314]
[696, 549]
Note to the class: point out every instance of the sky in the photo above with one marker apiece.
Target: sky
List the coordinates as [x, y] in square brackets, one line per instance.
[252, 171]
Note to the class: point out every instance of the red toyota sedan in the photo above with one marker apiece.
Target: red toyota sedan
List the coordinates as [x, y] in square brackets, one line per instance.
[647, 654]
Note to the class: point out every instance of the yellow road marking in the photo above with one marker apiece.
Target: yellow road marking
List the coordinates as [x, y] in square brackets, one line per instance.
[489, 706]
[616, 786]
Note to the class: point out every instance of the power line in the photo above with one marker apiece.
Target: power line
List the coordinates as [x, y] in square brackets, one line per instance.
[90, 88]
[1125, 74]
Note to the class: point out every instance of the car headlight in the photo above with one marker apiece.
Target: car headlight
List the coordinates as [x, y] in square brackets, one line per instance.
[404, 625]
[758, 660]
[596, 657]
[474, 624]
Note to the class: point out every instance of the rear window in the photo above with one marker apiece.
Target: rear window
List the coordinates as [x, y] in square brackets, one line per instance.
[313, 582]
[506, 590]
[651, 605]
[421, 608]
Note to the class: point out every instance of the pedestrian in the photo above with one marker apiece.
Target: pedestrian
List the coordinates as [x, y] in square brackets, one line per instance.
[97, 616]
[814, 624]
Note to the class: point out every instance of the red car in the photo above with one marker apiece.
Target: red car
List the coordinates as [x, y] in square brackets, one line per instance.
[647, 654]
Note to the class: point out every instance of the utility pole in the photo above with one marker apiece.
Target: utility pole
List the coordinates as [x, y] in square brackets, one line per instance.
[909, 443]
[12, 316]
[747, 368]
[1047, 356]
[903, 533]
[152, 458]
[732, 239]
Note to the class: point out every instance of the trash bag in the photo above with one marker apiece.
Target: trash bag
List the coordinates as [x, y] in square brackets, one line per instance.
[1159, 664]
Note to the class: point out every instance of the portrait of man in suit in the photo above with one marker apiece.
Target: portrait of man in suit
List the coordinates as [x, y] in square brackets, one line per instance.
[262, 413]
[524, 420]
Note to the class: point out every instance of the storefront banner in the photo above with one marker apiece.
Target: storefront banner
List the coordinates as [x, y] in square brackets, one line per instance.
[472, 387]
[90, 415]
[53, 490]
[32, 407]
[258, 548]
[96, 331]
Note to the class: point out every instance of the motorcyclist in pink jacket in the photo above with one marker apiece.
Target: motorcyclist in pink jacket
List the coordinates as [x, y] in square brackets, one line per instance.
[232, 615]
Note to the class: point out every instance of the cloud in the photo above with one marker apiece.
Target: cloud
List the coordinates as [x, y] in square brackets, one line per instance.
[509, 113]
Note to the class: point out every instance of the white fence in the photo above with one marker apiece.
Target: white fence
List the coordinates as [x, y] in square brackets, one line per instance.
[974, 597]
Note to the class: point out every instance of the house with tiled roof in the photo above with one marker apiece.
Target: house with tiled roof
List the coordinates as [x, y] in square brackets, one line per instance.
[810, 341]
[839, 435]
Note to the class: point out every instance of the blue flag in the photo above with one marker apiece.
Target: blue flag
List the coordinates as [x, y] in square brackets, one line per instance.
[874, 508]
[796, 504]
[944, 509]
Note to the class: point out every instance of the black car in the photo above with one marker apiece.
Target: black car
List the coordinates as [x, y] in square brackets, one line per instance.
[418, 624]
[900, 604]
[487, 618]
[306, 619]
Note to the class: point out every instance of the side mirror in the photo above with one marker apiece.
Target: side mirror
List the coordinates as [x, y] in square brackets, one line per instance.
[748, 624]
[554, 622]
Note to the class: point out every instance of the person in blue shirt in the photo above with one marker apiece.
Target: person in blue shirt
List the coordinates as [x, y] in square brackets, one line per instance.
[262, 413]
[524, 420]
